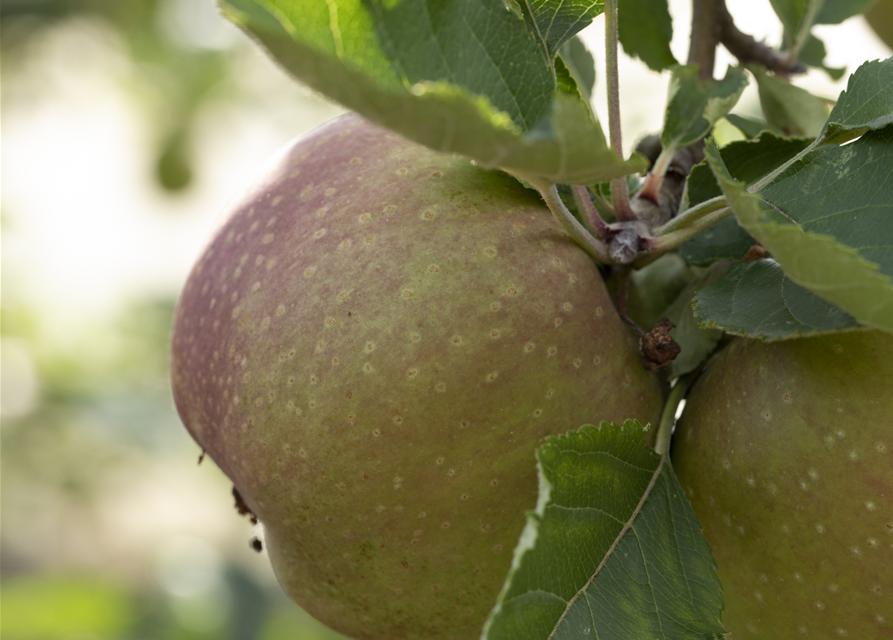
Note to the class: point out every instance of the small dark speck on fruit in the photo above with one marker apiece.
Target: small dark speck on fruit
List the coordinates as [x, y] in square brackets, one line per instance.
[256, 545]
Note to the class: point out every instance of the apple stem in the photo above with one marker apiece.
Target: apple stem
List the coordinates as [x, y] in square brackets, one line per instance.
[691, 216]
[668, 417]
[592, 245]
[594, 223]
[619, 190]
[675, 238]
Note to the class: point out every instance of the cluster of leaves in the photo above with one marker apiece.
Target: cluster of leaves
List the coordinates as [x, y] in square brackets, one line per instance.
[508, 85]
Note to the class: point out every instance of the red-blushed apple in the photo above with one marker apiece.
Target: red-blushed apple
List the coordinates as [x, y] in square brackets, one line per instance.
[371, 347]
[785, 451]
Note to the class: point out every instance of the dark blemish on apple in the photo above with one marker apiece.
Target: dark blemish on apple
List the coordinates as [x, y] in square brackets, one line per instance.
[490, 251]
[456, 340]
[494, 333]
[201, 457]
[512, 291]
[241, 507]
[492, 376]
[256, 545]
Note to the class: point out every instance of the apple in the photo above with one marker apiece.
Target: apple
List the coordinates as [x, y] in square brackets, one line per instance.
[371, 347]
[785, 451]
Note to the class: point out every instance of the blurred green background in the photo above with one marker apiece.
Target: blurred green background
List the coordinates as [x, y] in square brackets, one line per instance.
[127, 126]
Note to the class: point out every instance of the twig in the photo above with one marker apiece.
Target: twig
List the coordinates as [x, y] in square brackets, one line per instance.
[747, 50]
[704, 36]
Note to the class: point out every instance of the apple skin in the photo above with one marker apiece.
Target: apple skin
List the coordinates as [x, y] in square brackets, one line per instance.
[785, 451]
[371, 347]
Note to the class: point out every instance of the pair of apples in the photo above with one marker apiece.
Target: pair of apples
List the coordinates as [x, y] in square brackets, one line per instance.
[378, 337]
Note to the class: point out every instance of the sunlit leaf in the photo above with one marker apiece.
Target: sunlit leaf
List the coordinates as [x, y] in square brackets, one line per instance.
[465, 77]
[556, 21]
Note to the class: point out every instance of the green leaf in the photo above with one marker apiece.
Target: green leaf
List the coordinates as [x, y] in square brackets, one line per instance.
[836, 11]
[555, 22]
[613, 549]
[827, 220]
[793, 12]
[697, 342]
[465, 77]
[725, 240]
[790, 109]
[790, 12]
[645, 29]
[746, 161]
[750, 127]
[693, 105]
[756, 299]
[813, 53]
[866, 104]
[581, 65]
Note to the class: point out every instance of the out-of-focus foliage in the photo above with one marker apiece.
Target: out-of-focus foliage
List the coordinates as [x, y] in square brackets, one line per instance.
[181, 48]
[110, 528]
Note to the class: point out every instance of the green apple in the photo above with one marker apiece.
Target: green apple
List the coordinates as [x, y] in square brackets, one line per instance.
[371, 347]
[785, 451]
